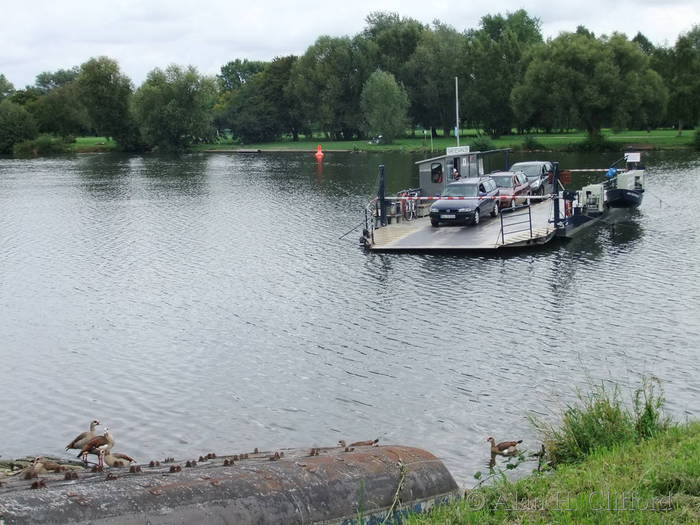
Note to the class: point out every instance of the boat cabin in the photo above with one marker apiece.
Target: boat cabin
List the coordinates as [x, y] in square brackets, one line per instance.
[457, 163]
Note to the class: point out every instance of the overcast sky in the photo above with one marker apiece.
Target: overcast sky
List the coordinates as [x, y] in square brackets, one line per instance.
[45, 35]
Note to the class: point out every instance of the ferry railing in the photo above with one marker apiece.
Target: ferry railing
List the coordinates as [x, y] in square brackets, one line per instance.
[507, 223]
[371, 217]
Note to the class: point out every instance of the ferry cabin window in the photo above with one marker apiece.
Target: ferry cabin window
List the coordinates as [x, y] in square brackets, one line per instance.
[455, 167]
[436, 172]
[472, 166]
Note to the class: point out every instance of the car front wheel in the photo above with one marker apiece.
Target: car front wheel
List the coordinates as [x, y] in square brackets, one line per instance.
[476, 217]
[435, 222]
[494, 212]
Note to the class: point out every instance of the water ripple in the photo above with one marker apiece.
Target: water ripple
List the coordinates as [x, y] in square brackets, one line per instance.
[202, 303]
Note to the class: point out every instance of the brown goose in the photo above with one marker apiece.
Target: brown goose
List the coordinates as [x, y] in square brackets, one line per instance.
[505, 448]
[368, 443]
[96, 445]
[115, 459]
[81, 439]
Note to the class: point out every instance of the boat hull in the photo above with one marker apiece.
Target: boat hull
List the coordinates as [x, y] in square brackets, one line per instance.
[623, 198]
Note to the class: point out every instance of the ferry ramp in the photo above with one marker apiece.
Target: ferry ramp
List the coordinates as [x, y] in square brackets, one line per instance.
[522, 227]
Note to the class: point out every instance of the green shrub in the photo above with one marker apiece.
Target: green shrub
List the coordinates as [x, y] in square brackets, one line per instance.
[42, 145]
[696, 139]
[482, 143]
[16, 125]
[601, 419]
[531, 143]
[594, 143]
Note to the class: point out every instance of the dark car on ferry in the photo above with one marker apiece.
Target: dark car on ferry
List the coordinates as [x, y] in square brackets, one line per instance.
[537, 172]
[466, 201]
[513, 187]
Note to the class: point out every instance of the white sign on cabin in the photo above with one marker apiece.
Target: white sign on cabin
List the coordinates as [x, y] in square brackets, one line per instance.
[457, 150]
[633, 157]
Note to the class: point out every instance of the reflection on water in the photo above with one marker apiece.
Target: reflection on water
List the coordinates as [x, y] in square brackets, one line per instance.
[208, 300]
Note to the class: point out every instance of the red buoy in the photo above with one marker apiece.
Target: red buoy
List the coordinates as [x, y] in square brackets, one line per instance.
[319, 154]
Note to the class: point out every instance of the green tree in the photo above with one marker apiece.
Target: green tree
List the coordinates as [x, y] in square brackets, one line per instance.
[24, 97]
[396, 39]
[6, 87]
[106, 93]
[173, 107]
[644, 43]
[61, 112]
[384, 106]
[263, 107]
[441, 55]
[236, 73]
[16, 125]
[640, 97]
[252, 115]
[590, 81]
[277, 88]
[327, 81]
[499, 56]
[48, 81]
[683, 79]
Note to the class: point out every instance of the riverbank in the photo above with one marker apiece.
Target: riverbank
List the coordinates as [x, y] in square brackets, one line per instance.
[648, 482]
[656, 139]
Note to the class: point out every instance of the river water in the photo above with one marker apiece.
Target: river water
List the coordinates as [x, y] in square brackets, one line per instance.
[207, 303]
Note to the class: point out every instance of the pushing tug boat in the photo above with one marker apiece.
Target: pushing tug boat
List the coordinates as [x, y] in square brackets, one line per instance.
[528, 203]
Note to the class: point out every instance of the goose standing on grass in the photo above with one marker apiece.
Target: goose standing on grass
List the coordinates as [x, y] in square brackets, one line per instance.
[505, 448]
[98, 446]
[81, 439]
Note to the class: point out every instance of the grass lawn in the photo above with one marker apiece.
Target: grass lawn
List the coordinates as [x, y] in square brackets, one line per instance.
[656, 139]
[662, 139]
[89, 144]
[648, 482]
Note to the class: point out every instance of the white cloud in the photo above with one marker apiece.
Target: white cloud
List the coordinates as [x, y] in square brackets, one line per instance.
[47, 35]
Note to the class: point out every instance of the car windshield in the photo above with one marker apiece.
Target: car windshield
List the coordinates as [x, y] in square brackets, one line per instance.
[503, 181]
[460, 190]
[531, 170]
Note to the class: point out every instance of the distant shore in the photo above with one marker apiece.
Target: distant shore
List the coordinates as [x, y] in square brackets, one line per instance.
[663, 139]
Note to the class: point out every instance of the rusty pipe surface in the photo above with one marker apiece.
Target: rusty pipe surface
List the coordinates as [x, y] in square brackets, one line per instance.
[290, 486]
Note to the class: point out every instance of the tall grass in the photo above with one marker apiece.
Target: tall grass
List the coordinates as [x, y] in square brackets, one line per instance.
[600, 418]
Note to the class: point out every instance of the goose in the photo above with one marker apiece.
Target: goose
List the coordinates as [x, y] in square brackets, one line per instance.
[370, 442]
[96, 445]
[115, 459]
[505, 448]
[81, 439]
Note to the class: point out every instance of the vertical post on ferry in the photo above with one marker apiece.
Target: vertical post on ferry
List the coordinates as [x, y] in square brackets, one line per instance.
[381, 195]
[555, 194]
[457, 109]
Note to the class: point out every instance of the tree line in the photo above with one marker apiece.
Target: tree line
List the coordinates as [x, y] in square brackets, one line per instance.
[396, 74]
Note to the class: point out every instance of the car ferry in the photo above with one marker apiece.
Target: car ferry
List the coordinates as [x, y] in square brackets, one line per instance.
[406, 222]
